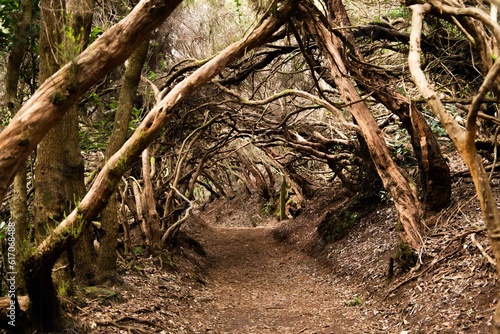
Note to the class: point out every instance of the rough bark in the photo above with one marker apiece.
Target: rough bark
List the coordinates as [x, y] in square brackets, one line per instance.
[436, 185]
[106, 182]
[463, 139]
[79, 14]
[59, 173]
[106, 261]
[49, 201]
[152, 219]
[18, 202]
[395, 181]
[53, 98]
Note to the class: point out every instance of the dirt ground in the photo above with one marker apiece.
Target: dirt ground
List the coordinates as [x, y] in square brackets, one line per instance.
[237, 271]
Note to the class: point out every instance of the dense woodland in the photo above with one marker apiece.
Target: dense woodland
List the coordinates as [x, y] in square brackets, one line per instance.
[121, 118]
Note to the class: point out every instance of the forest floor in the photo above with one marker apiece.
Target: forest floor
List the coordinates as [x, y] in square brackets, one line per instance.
[236, 271]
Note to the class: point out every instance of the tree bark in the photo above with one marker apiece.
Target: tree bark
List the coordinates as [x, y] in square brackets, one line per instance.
[18, 202]
[106, 261]
[59, 173]
[79, 14]
[43, 257]
[435, 176]
[49, 200]
[53, 98]
[395, 181]
[152, 219]
[463, 140]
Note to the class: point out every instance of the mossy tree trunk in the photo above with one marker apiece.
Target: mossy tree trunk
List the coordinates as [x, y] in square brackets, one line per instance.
[18, 202]
[79, 14]
[106, 261]
[40, 262]
[59, 166]
[49, 202]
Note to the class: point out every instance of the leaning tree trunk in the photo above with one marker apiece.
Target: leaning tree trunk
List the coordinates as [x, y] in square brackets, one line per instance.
[464, 140]
[106, 261]
[435, 176]
[395, 181]
[53, 98]
[43, 257]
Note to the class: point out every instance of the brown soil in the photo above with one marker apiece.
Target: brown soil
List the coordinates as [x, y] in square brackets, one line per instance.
[284, 278]
[256, 285]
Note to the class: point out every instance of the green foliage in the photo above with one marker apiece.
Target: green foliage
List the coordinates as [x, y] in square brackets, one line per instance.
[9, 10]
[268, 208]
[238, 9]
[385, 196]
[398, 12]
[355, 301]
[436, 127]
[135, 120]
[137, 250]
[95, 33]
[72, 44]
[94, 138]
[99, 292]
[64, 288]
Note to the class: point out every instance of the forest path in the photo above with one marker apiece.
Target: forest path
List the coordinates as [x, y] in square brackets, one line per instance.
[257, 285]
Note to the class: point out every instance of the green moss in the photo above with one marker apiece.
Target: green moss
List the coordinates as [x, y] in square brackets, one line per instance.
[405, 257]
[58, 98]
[267, 208]
[24, 142]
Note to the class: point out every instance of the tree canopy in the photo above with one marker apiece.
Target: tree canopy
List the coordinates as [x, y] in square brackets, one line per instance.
[272, 98]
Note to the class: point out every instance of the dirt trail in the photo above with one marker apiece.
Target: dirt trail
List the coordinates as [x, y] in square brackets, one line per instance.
[257, 285]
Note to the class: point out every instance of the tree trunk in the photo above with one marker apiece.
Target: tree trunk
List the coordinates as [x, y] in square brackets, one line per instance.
[18, 202]
[49, 200]
[106, 261]
[463, 140]
[79, 14]
[59, 167]
[53, 98]
[436, 185]
[395, 181]
[106, 182]
[152, 218]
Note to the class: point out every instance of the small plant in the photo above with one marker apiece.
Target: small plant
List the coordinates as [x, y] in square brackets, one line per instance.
[385, 196]
[355, 301]
[63, 288]
[268, 208]
[137, 250]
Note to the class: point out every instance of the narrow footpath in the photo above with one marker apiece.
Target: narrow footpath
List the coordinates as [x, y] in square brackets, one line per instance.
[257, 285]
